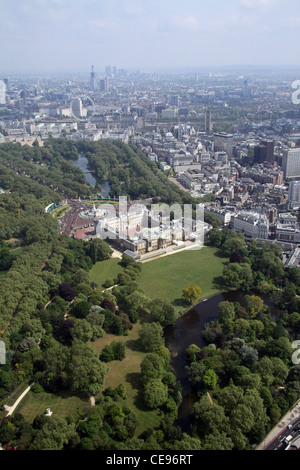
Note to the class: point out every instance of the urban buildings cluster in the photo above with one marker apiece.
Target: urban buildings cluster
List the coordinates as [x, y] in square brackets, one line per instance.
[225, 134]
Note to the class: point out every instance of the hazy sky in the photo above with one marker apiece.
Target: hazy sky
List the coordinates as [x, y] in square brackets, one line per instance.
[70, 35]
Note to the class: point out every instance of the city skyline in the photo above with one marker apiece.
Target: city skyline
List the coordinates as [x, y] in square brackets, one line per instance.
[43, 36]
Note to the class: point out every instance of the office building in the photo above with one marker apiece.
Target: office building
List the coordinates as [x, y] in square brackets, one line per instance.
[264, 152]
[251, 224]
[174, 100]
[104, 86]
[294, 195]
[77, 109]
[223, 143]
[291, 162]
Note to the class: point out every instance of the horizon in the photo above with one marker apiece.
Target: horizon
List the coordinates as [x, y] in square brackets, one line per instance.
[55, 36]
[172, 70]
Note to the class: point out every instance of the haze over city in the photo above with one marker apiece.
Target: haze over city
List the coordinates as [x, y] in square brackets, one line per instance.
[40, 36]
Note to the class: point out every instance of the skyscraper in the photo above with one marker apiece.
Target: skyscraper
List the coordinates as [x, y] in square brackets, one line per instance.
[223, 143]
[294, 195]
[291, 162]
[207, 121]
[104, 85]
[77, 108]
[2, 92]
[264, 152]
[93, 83]
[174, 100]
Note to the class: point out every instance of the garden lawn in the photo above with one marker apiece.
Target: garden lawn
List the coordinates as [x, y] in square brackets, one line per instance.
[60, 212]
[62, 404]
[103, 270]
[165, 277]
[127, 372]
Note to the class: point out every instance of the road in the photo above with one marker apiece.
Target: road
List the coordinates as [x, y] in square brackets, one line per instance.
[275, 439]
[279, 443]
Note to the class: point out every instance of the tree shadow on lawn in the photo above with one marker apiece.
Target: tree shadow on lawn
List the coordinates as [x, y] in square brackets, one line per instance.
[180, 303]
[134, 345]
[220, 254]
[134, 379]
[218, 283]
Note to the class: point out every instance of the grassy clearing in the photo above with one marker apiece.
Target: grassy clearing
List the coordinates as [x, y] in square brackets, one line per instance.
[127, 372]
[100, 202]
[104, 270]
[61, 404]
[165, 277]
[60, 212]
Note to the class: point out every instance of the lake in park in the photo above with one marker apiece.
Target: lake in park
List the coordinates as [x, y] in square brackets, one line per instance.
[82, 163]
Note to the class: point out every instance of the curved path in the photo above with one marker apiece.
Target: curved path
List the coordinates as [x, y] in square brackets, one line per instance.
[12, 408]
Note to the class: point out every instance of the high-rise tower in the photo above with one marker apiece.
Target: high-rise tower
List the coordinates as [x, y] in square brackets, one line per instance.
[207, 121]
[93, 84]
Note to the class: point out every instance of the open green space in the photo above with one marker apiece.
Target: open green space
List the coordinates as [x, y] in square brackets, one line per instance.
[165, 277]
[103, 270]
[127, 372]
[60, 212]
[99, 202]
[62, 404]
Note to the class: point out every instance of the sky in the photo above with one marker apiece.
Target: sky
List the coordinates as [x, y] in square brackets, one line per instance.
[70, 35]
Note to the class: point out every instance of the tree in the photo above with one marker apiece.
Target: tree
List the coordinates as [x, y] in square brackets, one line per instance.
[151, 337]
[209, 418]
[217, 441]
[191, 293]
[187, 443]
[119, 350]
[215, 237]
[242, 418]
[226, 311]
[85, 372]
[54, 434]
[253, 304]
[191, 352]
[82, 331]
[81, 309]
[162, 312]
[98, 250]
[66, 291]
[238, 276]
[233, 244]
[210, 379]
[152, 367]
[195, 372]
[117, 327]
[155, 393]
[249, 355]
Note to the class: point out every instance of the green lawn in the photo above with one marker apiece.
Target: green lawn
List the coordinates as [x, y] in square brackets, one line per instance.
[62, 404]
[127, 372]
[104, 270]
[100, 202]
[165, 277]
[60, 212]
